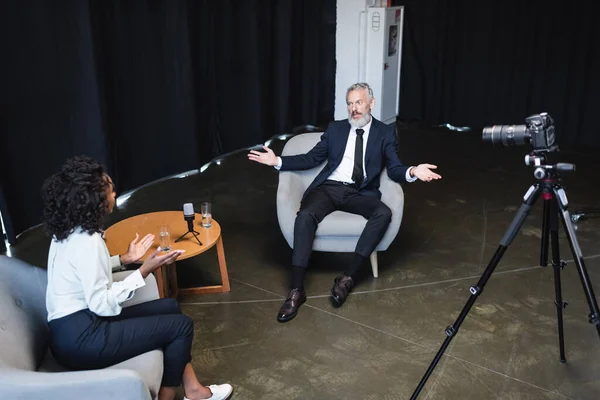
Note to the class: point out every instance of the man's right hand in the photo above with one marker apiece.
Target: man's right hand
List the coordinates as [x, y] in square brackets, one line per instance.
[268, 158]
[154, 261]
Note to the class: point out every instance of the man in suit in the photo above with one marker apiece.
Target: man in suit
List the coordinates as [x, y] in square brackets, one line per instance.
[356, 150]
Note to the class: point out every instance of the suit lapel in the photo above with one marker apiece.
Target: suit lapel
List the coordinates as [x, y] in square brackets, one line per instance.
[343, 141]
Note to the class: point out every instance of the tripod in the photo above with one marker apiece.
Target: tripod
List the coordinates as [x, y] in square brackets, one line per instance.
[548, 183]
[191, 230]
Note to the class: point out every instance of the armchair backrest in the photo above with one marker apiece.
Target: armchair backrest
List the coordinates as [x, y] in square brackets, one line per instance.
[23, 326]
[301, 144]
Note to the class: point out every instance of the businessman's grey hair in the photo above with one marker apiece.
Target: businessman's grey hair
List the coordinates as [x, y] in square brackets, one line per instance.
[358, 86]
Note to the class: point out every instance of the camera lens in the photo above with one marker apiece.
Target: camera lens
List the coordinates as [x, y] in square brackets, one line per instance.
[506, 135]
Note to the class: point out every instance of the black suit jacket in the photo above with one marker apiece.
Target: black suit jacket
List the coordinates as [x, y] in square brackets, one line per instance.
[382, 151]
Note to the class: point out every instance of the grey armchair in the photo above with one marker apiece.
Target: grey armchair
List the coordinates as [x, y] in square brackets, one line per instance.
[339, 231]
[27, 368]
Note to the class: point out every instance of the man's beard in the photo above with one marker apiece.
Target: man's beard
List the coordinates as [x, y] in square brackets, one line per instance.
[359, 123]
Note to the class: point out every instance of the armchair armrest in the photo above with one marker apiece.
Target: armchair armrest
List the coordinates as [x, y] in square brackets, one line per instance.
[289, 195]
[99, 384]
[146, 293]
[290, 188]
[392, 194]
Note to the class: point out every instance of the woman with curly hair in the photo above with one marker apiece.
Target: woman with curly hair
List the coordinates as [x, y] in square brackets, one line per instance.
[89, 329]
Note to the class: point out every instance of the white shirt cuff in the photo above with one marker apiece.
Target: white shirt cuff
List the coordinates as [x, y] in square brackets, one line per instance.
[278, 163]
[134, 282]
[410, 178]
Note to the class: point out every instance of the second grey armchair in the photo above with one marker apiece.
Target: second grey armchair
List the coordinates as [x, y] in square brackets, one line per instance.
[339, 231]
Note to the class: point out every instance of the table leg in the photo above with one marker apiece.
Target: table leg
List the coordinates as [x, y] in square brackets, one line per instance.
[173, 286]
[223, 265]
[224, 286]
[161, 281]
[166, 279]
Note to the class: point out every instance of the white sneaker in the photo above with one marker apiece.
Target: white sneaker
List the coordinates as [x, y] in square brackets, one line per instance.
[219, 392]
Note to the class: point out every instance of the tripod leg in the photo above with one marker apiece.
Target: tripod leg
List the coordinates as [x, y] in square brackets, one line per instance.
[545, 230]
[562, 201]
[180, 238]
[528, 201]
[196, 236]
[557, 265]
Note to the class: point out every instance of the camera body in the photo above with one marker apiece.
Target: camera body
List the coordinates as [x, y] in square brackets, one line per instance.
[538, 131]
[541, 132]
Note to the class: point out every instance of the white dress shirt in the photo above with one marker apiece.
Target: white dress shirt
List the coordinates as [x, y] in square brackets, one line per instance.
[343, 173]
[80, 277]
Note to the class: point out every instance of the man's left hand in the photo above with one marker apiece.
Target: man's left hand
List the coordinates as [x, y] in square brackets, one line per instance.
[137, 249]
[424, 172]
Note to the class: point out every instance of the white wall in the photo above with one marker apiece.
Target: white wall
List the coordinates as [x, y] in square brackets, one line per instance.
[347, 49]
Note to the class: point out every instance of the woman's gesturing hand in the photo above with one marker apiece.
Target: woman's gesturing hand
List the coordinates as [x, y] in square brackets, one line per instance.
[156, 260]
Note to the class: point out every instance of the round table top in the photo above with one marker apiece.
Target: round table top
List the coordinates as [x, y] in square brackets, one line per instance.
[119, 235]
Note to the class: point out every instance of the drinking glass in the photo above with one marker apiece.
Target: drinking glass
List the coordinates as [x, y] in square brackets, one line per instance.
[206, 215]
[165, 237]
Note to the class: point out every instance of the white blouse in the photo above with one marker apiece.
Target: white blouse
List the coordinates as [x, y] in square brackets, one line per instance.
[80, 277]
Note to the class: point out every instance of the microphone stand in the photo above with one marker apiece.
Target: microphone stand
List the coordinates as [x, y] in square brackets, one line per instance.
[189, 219]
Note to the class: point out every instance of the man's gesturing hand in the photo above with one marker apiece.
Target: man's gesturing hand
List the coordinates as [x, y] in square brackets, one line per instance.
[424, 172]
[268, 158]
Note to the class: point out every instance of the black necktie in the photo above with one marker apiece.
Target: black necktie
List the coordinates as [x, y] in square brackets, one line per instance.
[357, 172]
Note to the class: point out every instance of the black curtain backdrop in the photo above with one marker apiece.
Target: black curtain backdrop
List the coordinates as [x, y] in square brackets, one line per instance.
[486, 62]
[153, 88]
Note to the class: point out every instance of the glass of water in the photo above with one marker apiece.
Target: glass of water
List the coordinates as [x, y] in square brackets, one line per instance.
[165, 237]
[206, 214]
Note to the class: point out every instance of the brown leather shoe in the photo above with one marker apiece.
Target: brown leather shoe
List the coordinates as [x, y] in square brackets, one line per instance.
[342, 285]
[289, 309]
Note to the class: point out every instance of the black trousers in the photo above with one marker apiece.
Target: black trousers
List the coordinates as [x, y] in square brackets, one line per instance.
[83, 340]
[327, 198]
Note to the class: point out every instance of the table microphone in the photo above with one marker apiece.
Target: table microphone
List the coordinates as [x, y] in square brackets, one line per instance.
[189, 216]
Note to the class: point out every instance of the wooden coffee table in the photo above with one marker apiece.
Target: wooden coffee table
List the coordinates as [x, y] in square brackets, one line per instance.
[119, 235]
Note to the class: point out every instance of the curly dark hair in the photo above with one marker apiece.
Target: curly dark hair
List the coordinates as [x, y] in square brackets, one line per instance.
[75, 196]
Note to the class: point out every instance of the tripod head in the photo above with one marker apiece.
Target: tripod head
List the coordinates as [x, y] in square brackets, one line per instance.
[543, 168]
